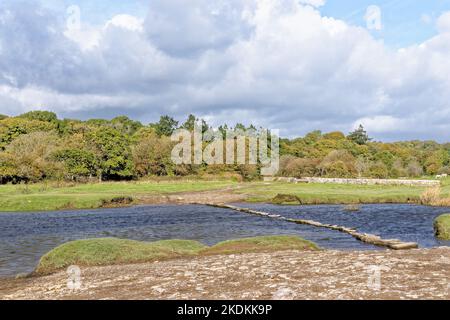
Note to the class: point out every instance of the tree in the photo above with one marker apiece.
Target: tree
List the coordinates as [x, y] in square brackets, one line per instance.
[78, 162]
[28, 158]
[298, 167]
[379, 170]
[113, 152]
[45, 116]
[165, 127]
[313, 137]
[359, 136]
[12, 128]
[192, 122]
[362, 165]
[125, 125]
[338, 164]
[414, 169]
[436, 161]
[398, 170]
[152, 154]
[336, 135]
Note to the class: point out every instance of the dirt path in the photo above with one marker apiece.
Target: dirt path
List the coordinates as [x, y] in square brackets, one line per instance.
[414, 274]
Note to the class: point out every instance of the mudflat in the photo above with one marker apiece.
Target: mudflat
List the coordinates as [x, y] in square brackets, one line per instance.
[412, 274]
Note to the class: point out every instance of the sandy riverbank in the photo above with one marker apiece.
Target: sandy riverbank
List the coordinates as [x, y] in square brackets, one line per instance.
[414, 274]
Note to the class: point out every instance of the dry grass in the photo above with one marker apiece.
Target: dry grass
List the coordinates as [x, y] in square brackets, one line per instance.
[433, 197]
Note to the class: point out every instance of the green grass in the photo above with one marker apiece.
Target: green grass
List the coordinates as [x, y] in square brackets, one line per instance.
[111, 251]
[261, 244]
[46, 197]
[442, 227]
[335, 193]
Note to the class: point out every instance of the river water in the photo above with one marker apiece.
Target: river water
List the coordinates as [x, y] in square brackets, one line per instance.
[25, 237]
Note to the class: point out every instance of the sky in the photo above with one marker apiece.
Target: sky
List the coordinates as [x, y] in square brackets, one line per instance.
[293, 65]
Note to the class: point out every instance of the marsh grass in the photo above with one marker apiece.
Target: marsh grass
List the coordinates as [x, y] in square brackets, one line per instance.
[435, 197]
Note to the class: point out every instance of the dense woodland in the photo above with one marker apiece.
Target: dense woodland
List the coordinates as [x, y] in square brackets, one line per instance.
[38, 146]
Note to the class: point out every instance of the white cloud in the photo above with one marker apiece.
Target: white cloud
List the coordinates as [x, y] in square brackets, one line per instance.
[314, 3]
[277, 63]
[126, 21]
[381, 124]
[443, 22]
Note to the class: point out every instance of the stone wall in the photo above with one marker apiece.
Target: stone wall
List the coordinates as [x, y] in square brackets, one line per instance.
[422, 183]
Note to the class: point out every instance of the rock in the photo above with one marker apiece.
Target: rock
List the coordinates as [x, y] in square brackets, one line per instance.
[404, 246]
[283, 294]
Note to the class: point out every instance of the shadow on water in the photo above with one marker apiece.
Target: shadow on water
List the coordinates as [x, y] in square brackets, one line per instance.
[25, 237]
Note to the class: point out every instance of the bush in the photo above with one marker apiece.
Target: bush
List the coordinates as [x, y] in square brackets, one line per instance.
[283, 199]
[117, 202]
[430, 196]
[379, 171]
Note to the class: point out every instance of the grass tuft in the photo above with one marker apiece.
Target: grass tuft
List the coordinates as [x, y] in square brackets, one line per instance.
[286, 199]
[261, 244]
[442, 227]
[434, 197]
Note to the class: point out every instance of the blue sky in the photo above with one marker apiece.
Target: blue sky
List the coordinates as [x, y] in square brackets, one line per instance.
[294, 65]
[402, 19]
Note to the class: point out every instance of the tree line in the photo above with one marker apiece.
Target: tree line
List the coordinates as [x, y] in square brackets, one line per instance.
[38, 146]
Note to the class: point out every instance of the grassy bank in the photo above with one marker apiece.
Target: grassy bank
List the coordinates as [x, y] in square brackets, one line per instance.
[442, 227]
[45, 197]
[336, 193]
[111, 251]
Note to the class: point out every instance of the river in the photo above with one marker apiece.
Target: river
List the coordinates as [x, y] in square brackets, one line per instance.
[25, 237]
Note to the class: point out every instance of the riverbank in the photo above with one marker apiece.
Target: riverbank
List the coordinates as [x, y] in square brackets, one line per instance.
[53, 196]
[414, 274]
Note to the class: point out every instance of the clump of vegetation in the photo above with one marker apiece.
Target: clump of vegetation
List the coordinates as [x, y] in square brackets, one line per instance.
[286, 199]
[111, 251]
[352, 208]
[433, 197]
[430, 196]
[117, 202]
[261, 244]
[442, 227]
